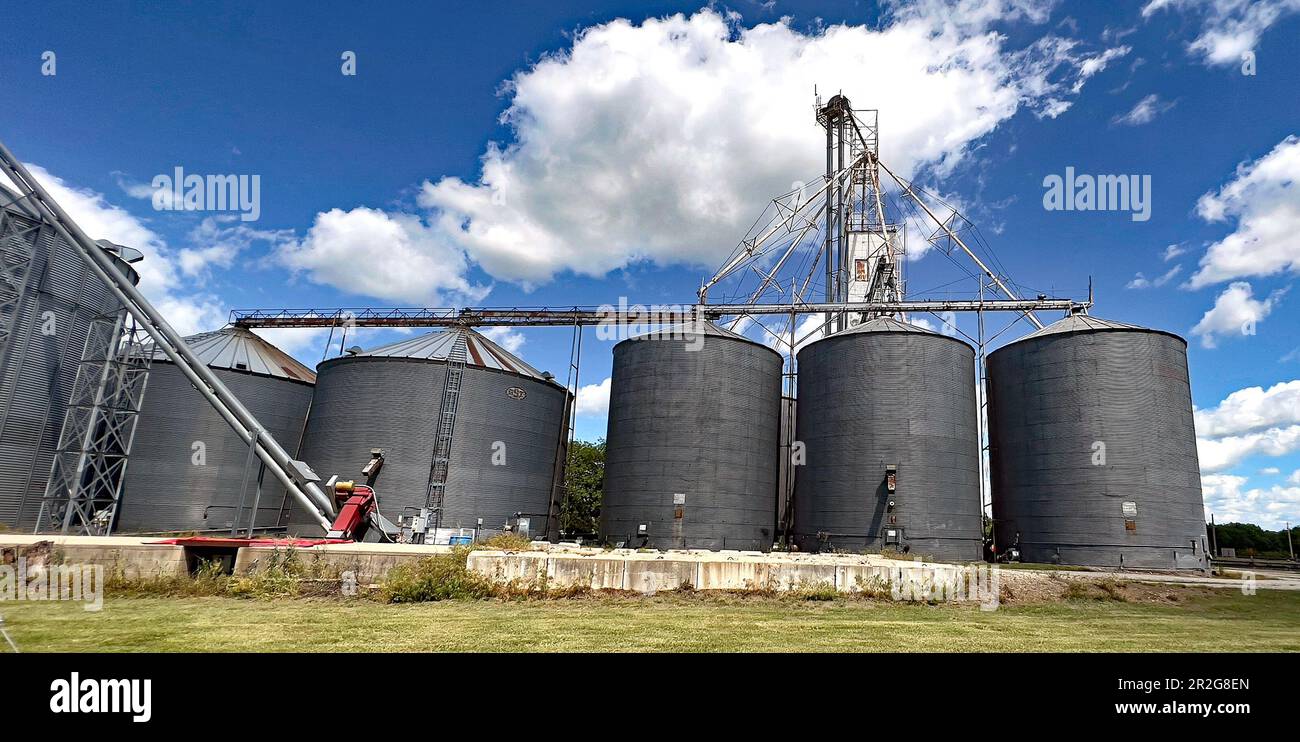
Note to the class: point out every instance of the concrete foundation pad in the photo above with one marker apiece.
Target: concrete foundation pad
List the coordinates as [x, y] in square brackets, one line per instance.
[650, 572]
[133, 558]
[369, 563]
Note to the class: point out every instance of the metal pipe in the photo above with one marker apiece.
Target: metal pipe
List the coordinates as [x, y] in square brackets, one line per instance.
[830, 215]
[257, 500]
[907, 188]
[841, 246]
[243, 489]
[165, 337]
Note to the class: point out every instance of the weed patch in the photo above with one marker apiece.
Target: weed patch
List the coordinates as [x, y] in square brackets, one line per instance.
[505, 541]
[438, 577]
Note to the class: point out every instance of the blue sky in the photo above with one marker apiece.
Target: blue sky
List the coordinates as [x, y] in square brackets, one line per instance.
[635, 154]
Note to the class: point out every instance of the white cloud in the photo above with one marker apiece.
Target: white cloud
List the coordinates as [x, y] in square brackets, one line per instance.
[1264, 198]
[1172, 251]
[1249, 422]
[1092, 65]
[307, 344]
[1295, 477]
[593, 399]
[1168, 275]
[1142, 282]
[1235, 312]
[98, 218]
[511, 340]
[392, 256]
[1269, 508]
[808, 330]
[923, 323]
[164, 197]
[643, 142]
[1270, 471]
[1230, 28]
[1109, 34]
[1219, 488]
[1218, 454]
[187, 311]
[218, 240]
[1144, 112]
[191, 313]
[1252, 409]
[949, 324]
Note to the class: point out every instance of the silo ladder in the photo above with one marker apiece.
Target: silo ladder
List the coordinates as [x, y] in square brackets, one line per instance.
[446, 423]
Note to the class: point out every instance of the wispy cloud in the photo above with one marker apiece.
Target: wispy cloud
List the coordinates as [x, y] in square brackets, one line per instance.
[1142, 282]
[1144, 112]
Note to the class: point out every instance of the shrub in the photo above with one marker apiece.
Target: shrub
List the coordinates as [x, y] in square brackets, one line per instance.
[506, 541]
[208, 580]
[820, 591]
[1076, 590]
[276, 576]
[1111, 590]
[438, 577]
[282, 574]
[875, 586]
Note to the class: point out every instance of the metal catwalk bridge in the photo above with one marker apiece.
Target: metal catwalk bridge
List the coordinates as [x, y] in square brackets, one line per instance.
[623, 313]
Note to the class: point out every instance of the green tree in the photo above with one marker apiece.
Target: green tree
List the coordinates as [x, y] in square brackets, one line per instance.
[584, 484]
[1251, 540]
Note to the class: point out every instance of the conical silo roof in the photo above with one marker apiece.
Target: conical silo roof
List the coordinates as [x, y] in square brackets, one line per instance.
[884, 324]
[240, 349]
[439, 345]
[1076, 323]
[693, 329]
[878, 325]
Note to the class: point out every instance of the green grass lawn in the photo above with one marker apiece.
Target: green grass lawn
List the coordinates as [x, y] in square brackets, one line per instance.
[1225, 621]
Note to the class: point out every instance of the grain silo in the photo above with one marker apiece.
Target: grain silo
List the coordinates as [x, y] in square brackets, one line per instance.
[1093, 448]
[188, 470]
[888, 422]
[693, 443]
[506, 426]
[48, 299]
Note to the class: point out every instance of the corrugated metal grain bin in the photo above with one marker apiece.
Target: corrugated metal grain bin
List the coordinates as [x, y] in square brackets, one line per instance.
[187, 467]
[888, 421]
[509, 422]
[57, 296]
[1093, 448]
[693, 442]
